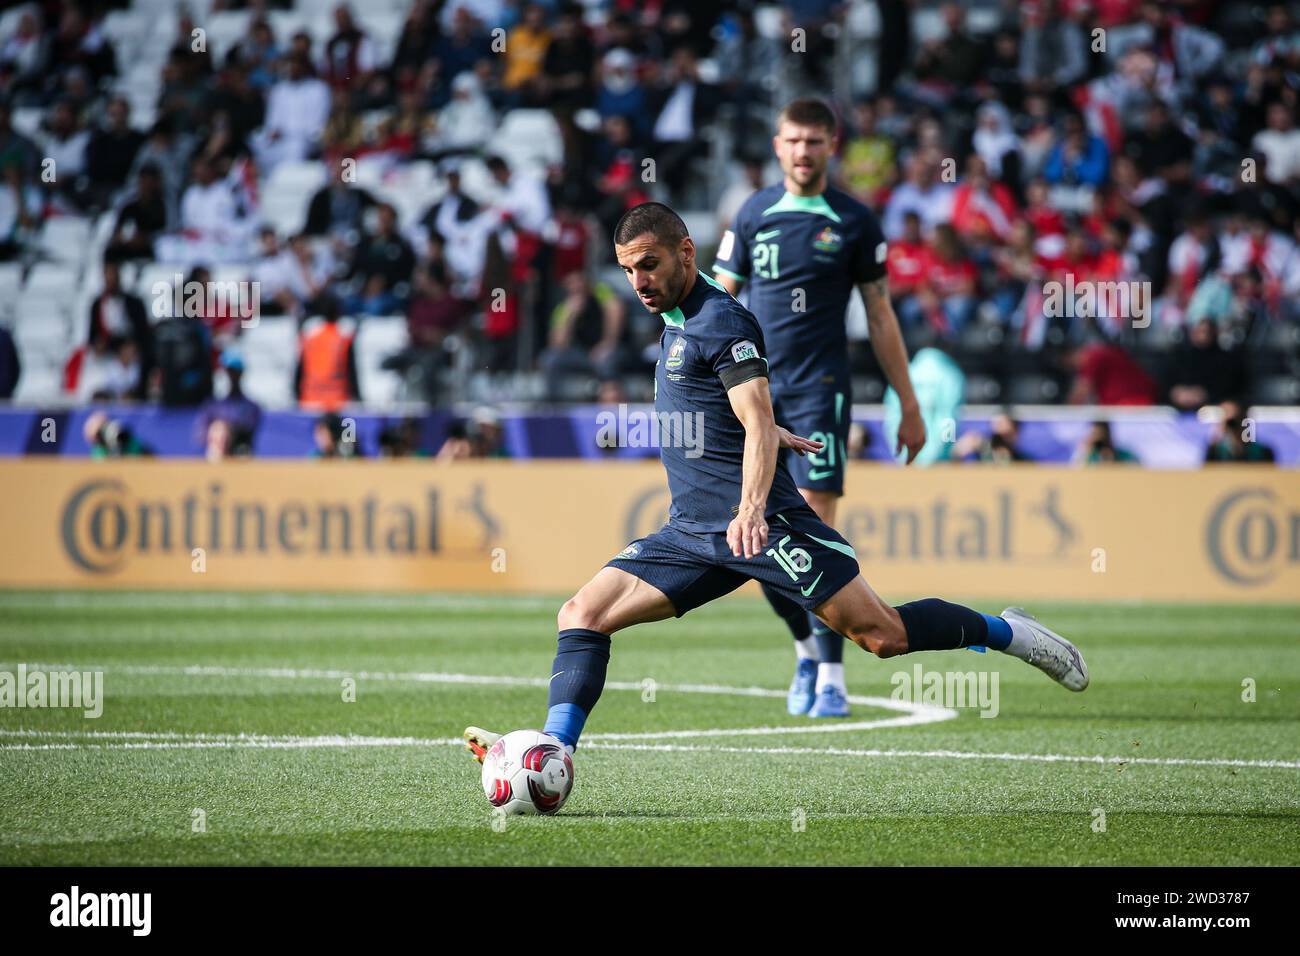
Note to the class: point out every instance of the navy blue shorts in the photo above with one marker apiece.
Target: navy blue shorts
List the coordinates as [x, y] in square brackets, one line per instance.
[825, 416]
[805, 560]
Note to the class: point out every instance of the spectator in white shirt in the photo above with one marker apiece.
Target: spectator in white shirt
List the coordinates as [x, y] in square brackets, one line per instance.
[923, 193]
[1280, 143]
[214, 223]
[296, 275]
[296, 111]
[524, 201]
[24, 54]
[464, 124]
[63, 143]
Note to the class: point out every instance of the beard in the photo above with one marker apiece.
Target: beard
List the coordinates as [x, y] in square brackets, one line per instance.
[668, 293]
[805, 175]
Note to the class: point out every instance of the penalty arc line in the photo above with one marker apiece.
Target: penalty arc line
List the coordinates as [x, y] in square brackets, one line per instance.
[910, 714]
[913, 714]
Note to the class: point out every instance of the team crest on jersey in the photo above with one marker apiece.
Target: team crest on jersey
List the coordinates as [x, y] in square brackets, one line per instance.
[631, 551]
[828, 240]
[676, 353]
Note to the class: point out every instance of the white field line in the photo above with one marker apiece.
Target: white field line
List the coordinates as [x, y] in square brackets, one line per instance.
[166, 740]
[913, 714]
[965, 755]
[910, 714]
[170, 736]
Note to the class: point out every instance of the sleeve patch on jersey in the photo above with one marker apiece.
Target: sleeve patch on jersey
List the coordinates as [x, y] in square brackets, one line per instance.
[726, 245]
[882, 251]
[743, 351]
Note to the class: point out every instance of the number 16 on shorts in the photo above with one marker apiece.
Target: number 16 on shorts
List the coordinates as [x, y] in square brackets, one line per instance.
[795, 562]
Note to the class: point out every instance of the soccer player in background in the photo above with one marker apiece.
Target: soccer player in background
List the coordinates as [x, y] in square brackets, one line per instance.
[802, 247]
[736, 514]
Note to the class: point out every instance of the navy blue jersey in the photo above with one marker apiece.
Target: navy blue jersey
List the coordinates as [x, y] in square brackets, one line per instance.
[710, 343]
[801, 257]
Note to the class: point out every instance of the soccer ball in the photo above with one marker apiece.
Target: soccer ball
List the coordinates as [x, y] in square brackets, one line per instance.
[527, 771]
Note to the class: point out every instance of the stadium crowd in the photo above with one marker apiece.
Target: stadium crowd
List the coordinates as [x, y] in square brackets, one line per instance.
[1005, 147]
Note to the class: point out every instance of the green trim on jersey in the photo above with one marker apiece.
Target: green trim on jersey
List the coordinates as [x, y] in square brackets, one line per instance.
[675, 318]
[714, 282]
[735, 275]
[817, 205]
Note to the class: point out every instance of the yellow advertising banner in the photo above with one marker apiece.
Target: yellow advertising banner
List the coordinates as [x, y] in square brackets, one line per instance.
[1220, 534]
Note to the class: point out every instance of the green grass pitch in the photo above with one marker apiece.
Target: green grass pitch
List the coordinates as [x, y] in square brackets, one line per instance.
[1193, 774]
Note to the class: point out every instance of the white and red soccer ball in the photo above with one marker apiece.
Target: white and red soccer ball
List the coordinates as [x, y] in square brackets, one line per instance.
[527, 771]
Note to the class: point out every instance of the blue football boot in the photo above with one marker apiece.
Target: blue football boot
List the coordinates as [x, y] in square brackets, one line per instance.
[802, 688]
[830, 702]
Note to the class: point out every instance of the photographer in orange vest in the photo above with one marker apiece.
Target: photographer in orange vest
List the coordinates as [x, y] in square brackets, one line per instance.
[326, 377]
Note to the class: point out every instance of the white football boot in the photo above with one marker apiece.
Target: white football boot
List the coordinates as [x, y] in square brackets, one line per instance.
[1048, 651]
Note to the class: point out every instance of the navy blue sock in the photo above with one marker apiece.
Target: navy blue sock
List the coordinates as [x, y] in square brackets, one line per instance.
[795, 617]
[577, 678]
[830, 645]
[936, 625]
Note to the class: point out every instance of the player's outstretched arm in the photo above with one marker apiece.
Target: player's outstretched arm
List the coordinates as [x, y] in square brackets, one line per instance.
[752, 403]
[887, 343]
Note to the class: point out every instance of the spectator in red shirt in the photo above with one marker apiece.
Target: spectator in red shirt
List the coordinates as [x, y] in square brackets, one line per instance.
[1045, 218]
[946, 301]
[1113, 260]
[1077, 257]
[1107, 375]
[982, 210]
[620, 180]
[908, 259]
[570, 236]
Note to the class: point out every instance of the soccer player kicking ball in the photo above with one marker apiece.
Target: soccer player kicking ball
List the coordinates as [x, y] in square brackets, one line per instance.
[736, 514]
[802, 247]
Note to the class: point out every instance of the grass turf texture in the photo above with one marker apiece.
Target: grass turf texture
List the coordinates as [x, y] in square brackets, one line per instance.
[1166, 683]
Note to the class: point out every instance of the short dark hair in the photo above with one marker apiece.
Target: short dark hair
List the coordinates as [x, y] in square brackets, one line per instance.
[808, 111]
[652, 217]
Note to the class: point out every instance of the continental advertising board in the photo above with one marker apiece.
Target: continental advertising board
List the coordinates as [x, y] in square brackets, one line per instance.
[1217, 534]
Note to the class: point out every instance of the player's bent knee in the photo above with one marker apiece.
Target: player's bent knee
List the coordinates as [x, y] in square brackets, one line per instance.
[864, 619]
[580, 611]
[876, 640]
[867, 634]
[883, 632]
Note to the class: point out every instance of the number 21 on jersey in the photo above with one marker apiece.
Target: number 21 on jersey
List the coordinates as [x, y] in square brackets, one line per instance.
[765, 260]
